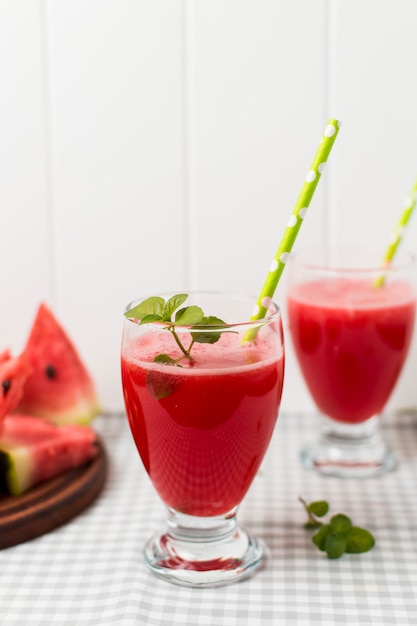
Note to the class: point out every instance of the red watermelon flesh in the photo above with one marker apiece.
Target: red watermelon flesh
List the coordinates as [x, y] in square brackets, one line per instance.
[32, 450]
[13, 374]
[59, 387]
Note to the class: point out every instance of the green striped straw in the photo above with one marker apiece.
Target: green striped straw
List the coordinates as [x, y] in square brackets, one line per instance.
[397, 235]
[409, 206]
[296, 219]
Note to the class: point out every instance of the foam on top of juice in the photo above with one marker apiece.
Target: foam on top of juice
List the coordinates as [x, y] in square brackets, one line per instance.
[347, 292]
[227, 353]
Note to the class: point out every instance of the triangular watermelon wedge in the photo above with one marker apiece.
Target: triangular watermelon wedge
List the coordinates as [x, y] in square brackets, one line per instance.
[32, 450]
[13, 374]
[59, 388]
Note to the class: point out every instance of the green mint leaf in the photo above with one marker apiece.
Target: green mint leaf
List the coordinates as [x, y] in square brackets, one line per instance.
[150, 306]
[340, 524]
[155, 309]
[213, 323]
[312, 524]
[152, 317]
[359, 540]
[339, 535]
[172, 305]
[165, 358]
[319, 508]
[319, 539]
[335, 545]
[160, 386]
[189, 316]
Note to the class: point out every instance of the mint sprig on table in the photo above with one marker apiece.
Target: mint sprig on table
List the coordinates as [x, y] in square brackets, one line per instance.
[157, 309]
[338, 535]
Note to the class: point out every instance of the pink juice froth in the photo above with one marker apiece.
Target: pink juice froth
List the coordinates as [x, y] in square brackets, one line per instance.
[202, 430]
[351, 340]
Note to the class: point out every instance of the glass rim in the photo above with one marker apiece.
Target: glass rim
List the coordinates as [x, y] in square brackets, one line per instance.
[404, 259]
[271, 316]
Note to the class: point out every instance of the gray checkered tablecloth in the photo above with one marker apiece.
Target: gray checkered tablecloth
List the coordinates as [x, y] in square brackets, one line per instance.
[91, 571]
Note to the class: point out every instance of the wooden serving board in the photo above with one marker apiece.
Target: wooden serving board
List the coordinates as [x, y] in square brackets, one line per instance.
[51, 504]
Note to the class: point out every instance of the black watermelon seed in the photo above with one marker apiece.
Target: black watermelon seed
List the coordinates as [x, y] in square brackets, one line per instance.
[50, 372]
[5, 385]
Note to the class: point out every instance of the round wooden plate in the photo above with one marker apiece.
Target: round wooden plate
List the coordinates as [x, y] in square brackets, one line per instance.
[51, 504]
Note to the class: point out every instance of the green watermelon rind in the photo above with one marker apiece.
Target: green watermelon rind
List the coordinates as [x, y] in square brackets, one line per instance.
[15, 468]
[82, 415]
[32, 451]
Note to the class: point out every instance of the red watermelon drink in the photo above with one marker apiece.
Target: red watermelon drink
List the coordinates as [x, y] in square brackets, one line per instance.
[202, 424]
[351, 331]
[351, 355]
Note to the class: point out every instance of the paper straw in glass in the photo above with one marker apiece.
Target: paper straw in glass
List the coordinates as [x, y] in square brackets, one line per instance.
[397, 235]
[296, 218]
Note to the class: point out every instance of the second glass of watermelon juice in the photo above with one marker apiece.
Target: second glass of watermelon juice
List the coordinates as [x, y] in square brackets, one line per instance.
[351, 324]
[202, 428]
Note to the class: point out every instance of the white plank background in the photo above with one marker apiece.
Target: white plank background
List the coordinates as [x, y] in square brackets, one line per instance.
[158, 145]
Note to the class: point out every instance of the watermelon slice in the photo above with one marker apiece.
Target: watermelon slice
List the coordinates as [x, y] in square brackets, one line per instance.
[59, 387]
[32, 450]
[13, 373]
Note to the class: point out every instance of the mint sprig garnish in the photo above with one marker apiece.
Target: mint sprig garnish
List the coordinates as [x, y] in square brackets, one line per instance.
[338, 535]
[156, 309]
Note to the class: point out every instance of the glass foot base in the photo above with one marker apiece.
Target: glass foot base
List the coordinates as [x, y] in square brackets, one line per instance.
[349, 452]
[203, 552]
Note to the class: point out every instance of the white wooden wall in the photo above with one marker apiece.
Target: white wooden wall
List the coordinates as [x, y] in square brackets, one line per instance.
[156, 145]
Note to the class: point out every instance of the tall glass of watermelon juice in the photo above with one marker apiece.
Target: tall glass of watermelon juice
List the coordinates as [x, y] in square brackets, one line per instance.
[202, 424]
[351, 324]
